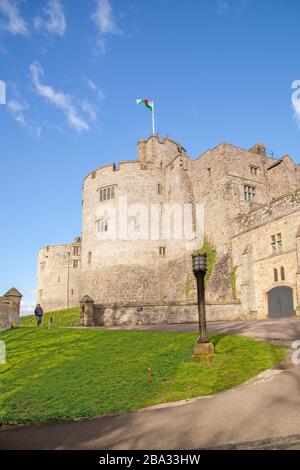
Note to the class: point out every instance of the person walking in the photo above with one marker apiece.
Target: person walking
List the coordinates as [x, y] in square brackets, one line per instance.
[38, 314]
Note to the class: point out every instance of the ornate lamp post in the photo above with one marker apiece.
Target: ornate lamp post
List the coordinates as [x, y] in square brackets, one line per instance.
[204, 349]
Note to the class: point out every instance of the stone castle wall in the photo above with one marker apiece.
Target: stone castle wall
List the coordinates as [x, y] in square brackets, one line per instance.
[59, 276]
[128, 273]
[255, 260]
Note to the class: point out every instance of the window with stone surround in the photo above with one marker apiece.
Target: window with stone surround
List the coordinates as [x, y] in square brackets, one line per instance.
[162, 250]
[102, 225]
[136, 224]
[249, 193]
[275, 275]
[159, 188]
[282, 273]
[89, 257]
[76, 250]
[276, 243]
[75, 263]
[107, 193]
[254, 170]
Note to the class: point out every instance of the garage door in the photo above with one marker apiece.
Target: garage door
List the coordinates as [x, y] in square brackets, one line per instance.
[280, 302]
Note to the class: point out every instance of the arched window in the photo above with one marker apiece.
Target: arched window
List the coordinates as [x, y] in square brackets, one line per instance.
[275, 275]
[282, 273]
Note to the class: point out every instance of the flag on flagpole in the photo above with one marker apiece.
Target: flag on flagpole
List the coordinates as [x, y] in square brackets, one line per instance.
[150, 106]
[147, 103]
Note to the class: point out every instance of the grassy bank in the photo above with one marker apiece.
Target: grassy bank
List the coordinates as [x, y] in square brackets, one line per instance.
[67, 373]
[67, 317]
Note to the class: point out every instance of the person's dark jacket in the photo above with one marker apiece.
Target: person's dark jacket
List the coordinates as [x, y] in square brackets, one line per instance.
[38, 311]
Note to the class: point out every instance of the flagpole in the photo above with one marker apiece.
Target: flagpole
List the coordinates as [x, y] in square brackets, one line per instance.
[153, 122]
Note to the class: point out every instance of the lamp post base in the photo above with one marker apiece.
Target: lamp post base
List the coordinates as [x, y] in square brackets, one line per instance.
[203, 352]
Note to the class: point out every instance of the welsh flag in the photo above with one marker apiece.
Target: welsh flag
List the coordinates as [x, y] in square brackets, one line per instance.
[147, 103]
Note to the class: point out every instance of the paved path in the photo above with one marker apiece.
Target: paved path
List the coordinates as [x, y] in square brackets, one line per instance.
[281, 330]
[263, 413]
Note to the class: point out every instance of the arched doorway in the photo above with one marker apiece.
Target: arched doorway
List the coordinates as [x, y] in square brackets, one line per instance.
[280, 302]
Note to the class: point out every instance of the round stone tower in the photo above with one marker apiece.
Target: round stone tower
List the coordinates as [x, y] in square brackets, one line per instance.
[59, 276]
[124, 259]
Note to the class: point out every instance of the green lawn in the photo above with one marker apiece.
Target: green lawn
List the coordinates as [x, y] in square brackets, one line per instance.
[68, 317]
[67, 373]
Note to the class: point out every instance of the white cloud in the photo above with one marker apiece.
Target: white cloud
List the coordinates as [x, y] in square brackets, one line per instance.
[104, 19]
[54, 19]
[90, 109]
[18, 108]
[106, 24]
[27, 307]
[92, 85]
[296, 100]
[223, 7]
[13, 22]
[28, 302]
[58, 98]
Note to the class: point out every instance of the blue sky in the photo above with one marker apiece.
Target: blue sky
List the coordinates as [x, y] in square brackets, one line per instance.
[217, 70]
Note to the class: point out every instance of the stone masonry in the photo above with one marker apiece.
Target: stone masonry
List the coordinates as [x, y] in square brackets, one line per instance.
[10, 308]
[128, 278]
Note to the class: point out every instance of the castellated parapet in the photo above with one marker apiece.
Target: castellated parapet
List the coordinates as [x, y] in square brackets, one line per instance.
[130, 269]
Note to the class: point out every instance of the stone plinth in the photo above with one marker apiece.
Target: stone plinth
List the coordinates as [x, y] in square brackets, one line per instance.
[203, 352]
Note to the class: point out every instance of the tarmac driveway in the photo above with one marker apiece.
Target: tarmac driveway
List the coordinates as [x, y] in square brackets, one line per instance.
[283, 330]
[262, 413]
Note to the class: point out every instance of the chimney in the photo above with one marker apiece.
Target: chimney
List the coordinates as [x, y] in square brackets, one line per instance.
[259, 149]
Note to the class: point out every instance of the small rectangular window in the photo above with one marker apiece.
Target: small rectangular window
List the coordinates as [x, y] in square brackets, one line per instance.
[136, 224]
[253, 170]
[75, 250]
[282, 273]
[159, 188]
[276, 243]
[102, 225]
[107, 193]
[75, 263]
[249, 193]
[162, 250]
[89, 257]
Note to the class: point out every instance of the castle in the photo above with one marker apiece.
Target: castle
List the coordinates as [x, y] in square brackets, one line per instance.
[251, 224]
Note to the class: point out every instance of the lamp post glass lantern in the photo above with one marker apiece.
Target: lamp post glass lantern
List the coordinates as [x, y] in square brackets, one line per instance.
[199, 269]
